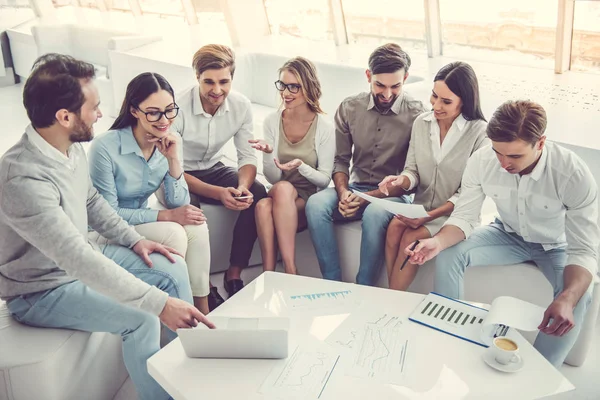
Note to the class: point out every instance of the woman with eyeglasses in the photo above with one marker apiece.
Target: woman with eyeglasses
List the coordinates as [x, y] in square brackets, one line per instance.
[298, 150]
[138, 155]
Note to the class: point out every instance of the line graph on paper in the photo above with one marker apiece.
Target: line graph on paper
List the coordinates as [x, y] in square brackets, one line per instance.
[348, 342]
[304, 375]
[347, 334]
[381, 353]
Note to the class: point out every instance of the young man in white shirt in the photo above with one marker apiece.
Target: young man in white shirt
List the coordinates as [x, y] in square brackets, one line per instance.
[547, 200]
[210, 115]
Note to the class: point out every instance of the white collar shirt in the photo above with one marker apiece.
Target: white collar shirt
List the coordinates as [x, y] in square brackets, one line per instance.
[556, 205]
[204, 135]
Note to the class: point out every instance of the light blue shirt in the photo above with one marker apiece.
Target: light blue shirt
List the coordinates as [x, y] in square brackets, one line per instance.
[126, 180]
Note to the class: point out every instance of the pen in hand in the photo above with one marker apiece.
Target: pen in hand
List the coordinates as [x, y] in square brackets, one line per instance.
[407, 257]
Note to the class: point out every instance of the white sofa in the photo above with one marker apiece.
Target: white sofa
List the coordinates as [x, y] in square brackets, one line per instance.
[57, 364]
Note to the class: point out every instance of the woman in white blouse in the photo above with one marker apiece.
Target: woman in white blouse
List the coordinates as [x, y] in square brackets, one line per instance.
[442, 140]
[298, 150]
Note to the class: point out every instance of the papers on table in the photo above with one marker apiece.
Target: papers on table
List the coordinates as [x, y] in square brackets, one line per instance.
[322, 300]
[407, 210]
[304, 375]
[374, 347]
[476, 324]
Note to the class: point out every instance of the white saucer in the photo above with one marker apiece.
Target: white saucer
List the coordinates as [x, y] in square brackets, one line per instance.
[490, 360]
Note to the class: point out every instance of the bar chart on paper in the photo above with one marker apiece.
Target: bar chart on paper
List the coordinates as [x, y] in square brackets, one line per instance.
[450, 316]
[324, 299]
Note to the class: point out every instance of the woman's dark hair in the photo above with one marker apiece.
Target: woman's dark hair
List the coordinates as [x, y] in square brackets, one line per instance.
[55, 84]
[462, 81]
[138, 90]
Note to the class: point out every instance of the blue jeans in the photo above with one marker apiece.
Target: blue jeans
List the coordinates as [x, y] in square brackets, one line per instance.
[322, 212]
[76, 306]
[492, 245]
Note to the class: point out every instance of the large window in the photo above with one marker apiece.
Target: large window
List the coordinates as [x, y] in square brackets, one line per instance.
[211, 21]
[163, 8]
[14, 12]
[510, 31]
[307, 19]
[121, 5]
[379, 21]
[585, 53]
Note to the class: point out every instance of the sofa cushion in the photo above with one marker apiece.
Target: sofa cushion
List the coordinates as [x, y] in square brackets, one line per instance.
[56, 364]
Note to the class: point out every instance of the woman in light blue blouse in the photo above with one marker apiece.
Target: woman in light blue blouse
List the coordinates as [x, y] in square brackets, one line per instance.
[138, 155]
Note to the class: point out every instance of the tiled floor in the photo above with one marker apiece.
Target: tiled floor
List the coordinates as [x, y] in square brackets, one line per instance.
[585, 378]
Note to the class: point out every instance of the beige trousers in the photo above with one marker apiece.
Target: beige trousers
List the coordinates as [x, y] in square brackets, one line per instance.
[190, 240]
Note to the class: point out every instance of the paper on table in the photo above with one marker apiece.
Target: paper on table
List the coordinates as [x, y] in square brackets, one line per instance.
[303, 375]
[407, 210]
[476, 324]
[511, 312]
[322, 300]
[374, 346]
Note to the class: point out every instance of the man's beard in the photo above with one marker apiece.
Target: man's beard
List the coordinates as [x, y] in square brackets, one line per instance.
[384, 106]
[81, 133]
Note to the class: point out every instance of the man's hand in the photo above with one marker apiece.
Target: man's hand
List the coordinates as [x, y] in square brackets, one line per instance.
[561, 313]
[425, 251]
[413, 223]
[145, 247]
[187, 215]
[391, 180]
[179, 314]
[261, 145]
[289, 166]
[349, 203]
[228, 198]
[245, 192]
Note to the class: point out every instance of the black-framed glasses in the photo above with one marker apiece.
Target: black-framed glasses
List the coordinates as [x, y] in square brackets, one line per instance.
[154, 116]
[291, 87]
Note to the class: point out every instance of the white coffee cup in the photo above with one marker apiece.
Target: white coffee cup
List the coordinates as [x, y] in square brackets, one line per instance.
[505, 350]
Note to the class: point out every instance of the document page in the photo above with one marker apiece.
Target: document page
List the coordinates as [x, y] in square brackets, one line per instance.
[304, 374]
[374, 346]
[476, 324]
[407, 210]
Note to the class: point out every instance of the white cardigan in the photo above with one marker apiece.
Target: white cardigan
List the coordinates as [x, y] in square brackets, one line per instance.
[324, 145]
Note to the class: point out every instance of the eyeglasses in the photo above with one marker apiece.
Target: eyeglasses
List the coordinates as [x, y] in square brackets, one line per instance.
[153, 116]
[291, 87]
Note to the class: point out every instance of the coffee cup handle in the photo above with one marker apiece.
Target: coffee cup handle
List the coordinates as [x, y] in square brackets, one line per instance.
[515, 359]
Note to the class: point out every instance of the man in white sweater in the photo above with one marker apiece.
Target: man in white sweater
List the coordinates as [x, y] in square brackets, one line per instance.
[50, 275]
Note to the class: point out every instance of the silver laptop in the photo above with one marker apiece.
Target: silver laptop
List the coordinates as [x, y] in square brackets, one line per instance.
[237, 338]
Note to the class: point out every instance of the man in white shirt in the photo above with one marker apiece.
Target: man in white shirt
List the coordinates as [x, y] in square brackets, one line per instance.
[547, 200]
[210, 115]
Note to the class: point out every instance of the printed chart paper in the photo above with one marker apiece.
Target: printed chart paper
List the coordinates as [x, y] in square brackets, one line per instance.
[476, 324]
[303, 375]
[322, 300]
[408, 210]
[373, 346]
